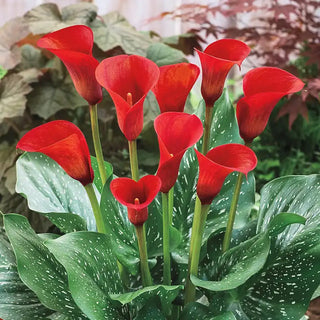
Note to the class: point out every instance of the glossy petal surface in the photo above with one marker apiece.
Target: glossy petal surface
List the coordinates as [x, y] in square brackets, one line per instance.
[218, 163]
[125, 74]
[263, 88]
[73, 45]
[63, 142]
[176, 133]
[127, 191]
[216, 61]
[174, 85]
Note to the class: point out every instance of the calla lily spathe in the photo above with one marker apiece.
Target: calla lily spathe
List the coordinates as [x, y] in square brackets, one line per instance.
[263, 88]
[63, 142]
[73, 45]
[217, 164]
[136, 195]
[128, 79]
[216, 61]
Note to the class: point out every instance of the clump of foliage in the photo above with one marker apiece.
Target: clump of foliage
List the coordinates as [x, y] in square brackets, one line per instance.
[35, 87]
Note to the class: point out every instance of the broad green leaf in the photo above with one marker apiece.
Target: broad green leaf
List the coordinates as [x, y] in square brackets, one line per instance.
[47, 17]
[8, 155]
[162, 54]
[38, 268]
[224, 130]
[17, 301]
[31, 58]
[50, 190]
[296, 194]
[97, 179]
[166, 295]
[92, 272]
[196, 311]
[113, 30]
[13, 91]
[150, 312]
[282, 220]
[53, 93]
[283, 288]
[238, 264]
[67, 222]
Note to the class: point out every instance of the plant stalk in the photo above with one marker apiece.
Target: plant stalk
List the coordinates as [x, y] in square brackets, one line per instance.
[142, 243]
[133, 159]
[207, 129]
[166, 240]
[97, 142]
[199, 221]
[170, 204]
[232, 213]
[96, 208]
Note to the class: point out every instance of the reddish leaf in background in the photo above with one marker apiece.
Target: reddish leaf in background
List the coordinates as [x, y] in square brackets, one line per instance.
[216, 61]
[263, 88]
[122, 75]
[176, 133]
[174, 85]
[136, 195]
[64, 143]
[217, 164]
[293, 108]
[73, 45]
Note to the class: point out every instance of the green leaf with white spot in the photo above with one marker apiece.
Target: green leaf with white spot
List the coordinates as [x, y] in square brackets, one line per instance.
[224, 130]
[50, 190]
[92, 272]
[238, 264]
[17, 301]
[166, 295]
[38, 268]
[123, 236]
[97, 179]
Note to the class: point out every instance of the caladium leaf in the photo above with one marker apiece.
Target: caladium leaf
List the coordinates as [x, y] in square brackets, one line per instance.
[17, 301]
[38, 268]
[92, 272]
[97, 179]
[50, 190]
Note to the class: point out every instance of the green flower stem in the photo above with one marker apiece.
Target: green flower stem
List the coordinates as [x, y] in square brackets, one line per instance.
[96, 208]
[166, 240]
[134, 160]
[97, 143]
[142, 243]
[170, 204]
[232, 213]
[207, 129]
[199, 221]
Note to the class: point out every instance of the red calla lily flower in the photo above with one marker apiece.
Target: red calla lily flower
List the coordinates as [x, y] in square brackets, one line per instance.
[176, 133]
[63, 142]
[174, 85]
[73, 45]
[128, 79]
[263, 88]
[136, 195]
[217, 164]
[216, 61]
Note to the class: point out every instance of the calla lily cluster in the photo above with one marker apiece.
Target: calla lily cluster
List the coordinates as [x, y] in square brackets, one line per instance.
[128, 79]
